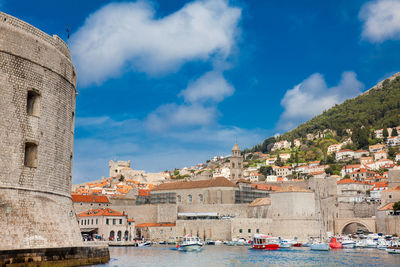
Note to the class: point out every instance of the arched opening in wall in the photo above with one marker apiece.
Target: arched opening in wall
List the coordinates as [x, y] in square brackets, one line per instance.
[354, 227]
[119, 235]
[33, 103]
[126, 235]
[30, 159]
[112, 234]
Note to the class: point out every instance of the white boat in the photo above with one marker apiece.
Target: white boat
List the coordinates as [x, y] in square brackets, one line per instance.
[393, 250]
[145, 244]
[348, 243]
[241, 242]
[218, 242]
[285, 244]
[320, 246]
[370, 243]
[190, 243]
[360, 244]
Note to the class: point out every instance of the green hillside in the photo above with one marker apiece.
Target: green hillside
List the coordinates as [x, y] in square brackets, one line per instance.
[376, 108]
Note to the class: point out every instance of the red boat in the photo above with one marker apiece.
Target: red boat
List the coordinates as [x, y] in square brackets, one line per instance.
[265, 242]
[297, 245]
[334, 244]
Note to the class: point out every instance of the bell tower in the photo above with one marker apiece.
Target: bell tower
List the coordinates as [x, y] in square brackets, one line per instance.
[236, 163]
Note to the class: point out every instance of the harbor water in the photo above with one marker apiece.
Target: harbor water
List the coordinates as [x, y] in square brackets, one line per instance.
[163, 255]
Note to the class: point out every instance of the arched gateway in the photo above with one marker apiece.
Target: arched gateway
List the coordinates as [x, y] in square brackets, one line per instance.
[351, 225]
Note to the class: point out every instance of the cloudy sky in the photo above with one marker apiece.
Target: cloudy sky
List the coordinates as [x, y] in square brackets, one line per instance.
[172, 83]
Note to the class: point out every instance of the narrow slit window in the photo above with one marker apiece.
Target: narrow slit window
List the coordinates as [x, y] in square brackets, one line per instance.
[30, 155]
[33, 104]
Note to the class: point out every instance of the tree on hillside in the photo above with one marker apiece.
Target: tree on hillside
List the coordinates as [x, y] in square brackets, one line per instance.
[396, 207]
[266, 170]
[385, 133]
[394, 132]
[329, 171]
[279, 161]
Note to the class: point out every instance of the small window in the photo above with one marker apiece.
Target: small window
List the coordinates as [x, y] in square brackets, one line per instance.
[240, 231]
[179, 199]
[97, 221]
[107, 221]
[190, 198]
[92, 221]
[249, 231]
[114, 221]
[33, 104]
[30, 155]
[201, 198]
[120, 221]
[257, 231]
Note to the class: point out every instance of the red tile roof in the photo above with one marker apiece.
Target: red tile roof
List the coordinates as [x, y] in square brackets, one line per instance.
[89, 198]
[101, 212]
[387, 206]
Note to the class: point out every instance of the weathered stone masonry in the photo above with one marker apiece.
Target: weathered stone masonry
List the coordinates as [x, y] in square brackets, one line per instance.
[37, 107]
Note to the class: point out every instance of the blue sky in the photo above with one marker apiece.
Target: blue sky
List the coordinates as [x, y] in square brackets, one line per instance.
[172, 83]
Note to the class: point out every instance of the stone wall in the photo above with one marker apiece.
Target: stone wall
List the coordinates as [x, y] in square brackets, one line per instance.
[235, 210]
[35, 197]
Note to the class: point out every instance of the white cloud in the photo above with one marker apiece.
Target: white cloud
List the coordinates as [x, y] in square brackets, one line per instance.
[312, 96]
[381, 20]
[180, 116]
[211, 86]
[129, 34]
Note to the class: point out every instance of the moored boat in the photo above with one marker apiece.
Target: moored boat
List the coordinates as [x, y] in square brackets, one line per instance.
[348, 243]
[265, 242]
[334, 244]
[190, 243]
[285, 244]
[320, 246]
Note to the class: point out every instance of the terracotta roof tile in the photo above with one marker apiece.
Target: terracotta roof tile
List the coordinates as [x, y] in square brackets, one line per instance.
[101, 212]
[89, 198]
[387, 206]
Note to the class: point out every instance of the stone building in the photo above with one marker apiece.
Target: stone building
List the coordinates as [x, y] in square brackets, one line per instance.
[37, 114]
[236, 164]
[294, 213]
[107, 224]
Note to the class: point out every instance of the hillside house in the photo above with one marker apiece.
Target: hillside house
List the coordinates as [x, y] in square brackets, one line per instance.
[393, 141]
[334, 148]
[361, 153]
[344, 155]
[376, 148]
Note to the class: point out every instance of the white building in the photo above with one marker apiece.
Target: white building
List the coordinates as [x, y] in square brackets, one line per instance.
[397, 157]
[352, 191]
[283, 171]
[106, 224]
[393, 141]
[345, 154]
[380, 155]
[361, 153]
[334, 148]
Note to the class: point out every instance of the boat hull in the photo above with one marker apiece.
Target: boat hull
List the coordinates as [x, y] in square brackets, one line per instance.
[188, 248]
[320, 247]
[266, 247]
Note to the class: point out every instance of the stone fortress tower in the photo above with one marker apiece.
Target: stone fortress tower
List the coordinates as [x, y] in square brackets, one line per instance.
[37, 110]
[236, 163]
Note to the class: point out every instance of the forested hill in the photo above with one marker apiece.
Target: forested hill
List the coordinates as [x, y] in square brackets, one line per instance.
[374, 109]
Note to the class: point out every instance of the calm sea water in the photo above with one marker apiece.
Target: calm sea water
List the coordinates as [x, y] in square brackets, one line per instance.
[159, 255]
